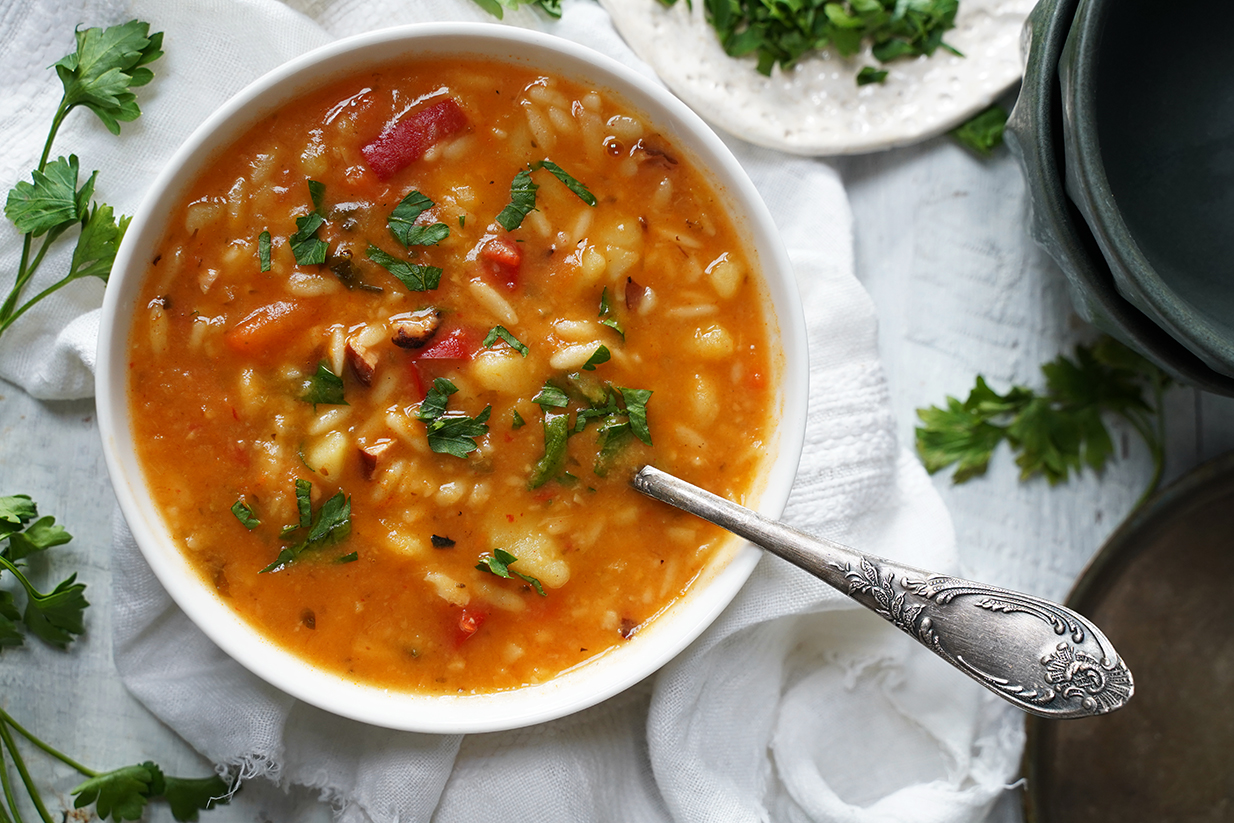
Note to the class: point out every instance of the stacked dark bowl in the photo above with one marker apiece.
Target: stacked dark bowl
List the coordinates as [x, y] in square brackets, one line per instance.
[1124, 128]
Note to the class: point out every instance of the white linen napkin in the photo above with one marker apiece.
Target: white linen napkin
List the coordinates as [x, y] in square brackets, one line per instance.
[794, 706]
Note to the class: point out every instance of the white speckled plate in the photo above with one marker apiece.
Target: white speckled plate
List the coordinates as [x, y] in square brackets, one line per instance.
[817, 107]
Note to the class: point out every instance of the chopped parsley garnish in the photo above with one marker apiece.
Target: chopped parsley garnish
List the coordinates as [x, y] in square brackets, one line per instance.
[308, 249]
[450, 432]
[614, 436]
[317, 193]
[523, 193]
[551, 397]
[329, 525]
[783, 31]
[600, 355]
[869, 74]
[402, 222]
[500, 332]
[245, 514]
[636, 410]
[263, 250]
[572, 184]
[499, 563]
[324, 387]
[608, 317]
[553, 463]
[348, 558]
[522, 201]
[516, 420]
[415, 276]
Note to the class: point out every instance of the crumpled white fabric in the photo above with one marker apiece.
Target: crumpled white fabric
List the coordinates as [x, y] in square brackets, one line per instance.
[794, 706]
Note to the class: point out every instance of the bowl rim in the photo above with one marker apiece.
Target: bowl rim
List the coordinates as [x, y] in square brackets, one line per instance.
[1054, 222]
[581, 686]
[1089, 187]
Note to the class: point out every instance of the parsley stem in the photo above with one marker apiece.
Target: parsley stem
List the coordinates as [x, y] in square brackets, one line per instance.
[62, 111]
[52, 289]
[5, 717]
[31, 789]
[8, 792]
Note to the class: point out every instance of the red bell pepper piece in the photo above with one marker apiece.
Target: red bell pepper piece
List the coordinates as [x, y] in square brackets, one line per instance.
[456, 344]
[503, 259]
[407, 140]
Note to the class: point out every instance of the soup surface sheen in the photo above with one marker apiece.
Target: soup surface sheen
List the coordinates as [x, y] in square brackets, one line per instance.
[350, 445]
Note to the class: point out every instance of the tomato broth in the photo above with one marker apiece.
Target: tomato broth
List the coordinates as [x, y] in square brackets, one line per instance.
[401, 348]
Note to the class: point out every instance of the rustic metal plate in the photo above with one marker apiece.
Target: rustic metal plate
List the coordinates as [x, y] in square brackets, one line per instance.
[1162, 588]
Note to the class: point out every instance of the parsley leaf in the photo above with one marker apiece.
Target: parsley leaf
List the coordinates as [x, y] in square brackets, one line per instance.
[553, 463]
[600, 355]
[1057, 431]
[499, 563]
[869, 74]
[636, 409]
[450, 432]
[501, 332]
[39, 536]
[330, 524]
[324, 387]
[402, 222]
[187, 796]
[614, 437]
[107, 63]
[522, 201]
[58, 615]
[551, 397]
[16, 510]
[245, 514]
[52, 202]
[415, 276]
[120, 794]
[494, 7]
[984, 132]
[97, 245]
[307, 247]
[608, 317]
[572, 184]
[263, 250]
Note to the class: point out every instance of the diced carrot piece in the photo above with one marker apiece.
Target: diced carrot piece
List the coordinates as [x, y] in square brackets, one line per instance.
[264, 330]
[503, 258]
[407, 140]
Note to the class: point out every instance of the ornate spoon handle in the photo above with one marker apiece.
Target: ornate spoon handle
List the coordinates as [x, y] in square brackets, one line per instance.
[1039, 655]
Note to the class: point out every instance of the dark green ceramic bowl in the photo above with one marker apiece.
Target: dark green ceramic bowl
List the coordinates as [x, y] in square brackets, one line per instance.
[1035, 136]
[1148, 122]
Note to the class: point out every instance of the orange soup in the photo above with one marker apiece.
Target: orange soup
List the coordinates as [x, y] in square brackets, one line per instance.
[400, 351]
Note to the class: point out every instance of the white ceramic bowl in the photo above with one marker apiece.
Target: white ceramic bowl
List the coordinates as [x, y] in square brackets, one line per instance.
[578, 688]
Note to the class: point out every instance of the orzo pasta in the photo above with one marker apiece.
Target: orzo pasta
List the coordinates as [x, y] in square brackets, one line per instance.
[400, 350]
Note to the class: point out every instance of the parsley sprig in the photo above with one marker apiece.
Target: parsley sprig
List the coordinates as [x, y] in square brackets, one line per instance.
[1056, 431]
[496, 7]
[98, 76]
[499, 563]
[783, 31]
[57, 618]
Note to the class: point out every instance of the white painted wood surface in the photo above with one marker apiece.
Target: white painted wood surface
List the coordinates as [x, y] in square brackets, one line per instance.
[960, 288]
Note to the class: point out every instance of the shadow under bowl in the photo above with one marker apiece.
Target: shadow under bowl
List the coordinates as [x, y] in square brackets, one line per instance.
[1148, 122]
[1035, 137]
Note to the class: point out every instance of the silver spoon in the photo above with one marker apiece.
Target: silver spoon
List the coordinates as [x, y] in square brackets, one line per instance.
[1038, 655]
